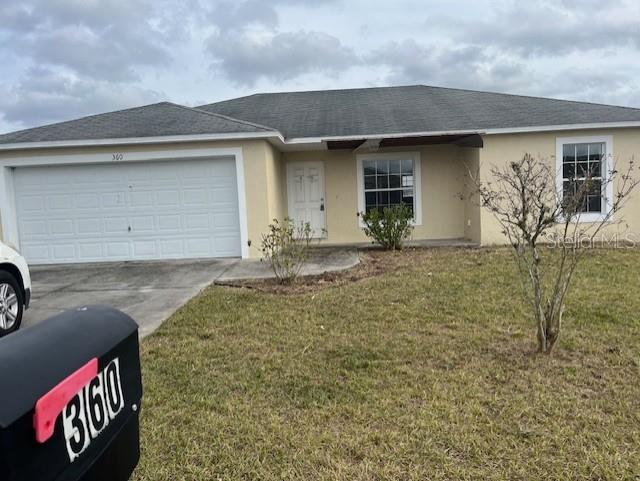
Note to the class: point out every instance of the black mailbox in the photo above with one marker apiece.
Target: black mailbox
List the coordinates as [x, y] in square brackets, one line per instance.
[70, 393]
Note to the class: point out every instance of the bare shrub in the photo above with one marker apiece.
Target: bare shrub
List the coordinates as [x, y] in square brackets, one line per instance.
[524, 199]
[286, 248]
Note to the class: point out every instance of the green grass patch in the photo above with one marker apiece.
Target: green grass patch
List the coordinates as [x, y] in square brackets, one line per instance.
[427, 372]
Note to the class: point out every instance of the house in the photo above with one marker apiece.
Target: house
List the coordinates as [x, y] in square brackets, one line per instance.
[169, 181]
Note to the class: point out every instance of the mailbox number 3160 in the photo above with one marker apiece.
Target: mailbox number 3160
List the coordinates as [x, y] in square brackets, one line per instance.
[91, 410]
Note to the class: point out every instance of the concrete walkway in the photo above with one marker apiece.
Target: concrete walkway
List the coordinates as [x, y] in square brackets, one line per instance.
[321, 260]
[151, 291]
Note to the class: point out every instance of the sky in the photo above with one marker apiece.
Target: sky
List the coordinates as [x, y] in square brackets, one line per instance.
[63, 59]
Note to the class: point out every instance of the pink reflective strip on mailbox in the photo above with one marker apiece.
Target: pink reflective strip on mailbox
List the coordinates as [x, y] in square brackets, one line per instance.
[51, 404]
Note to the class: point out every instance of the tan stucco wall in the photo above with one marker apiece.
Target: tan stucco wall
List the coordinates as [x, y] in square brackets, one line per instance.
[443, 207]
[500, 149]
[472, 210]
[276, 180]
[448, 210]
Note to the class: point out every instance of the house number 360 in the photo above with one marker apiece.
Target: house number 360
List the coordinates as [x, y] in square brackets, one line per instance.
[117, 157]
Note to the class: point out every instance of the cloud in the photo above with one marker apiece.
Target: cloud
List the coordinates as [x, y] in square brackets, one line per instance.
[63, 58]
[551, 28]
[102, 39]
[244, 58]
[233, 15]
[470, 66]
[45, 96]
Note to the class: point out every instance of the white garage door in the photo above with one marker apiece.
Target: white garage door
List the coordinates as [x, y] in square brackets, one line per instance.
[148, 210]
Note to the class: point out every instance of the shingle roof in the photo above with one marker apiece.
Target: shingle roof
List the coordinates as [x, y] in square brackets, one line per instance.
[334, 113]
[155, 120]
[418, 108]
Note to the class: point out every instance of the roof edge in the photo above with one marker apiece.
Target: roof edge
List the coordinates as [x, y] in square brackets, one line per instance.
[493, 131]
[167, 139]
[564, 127]
[274, 134]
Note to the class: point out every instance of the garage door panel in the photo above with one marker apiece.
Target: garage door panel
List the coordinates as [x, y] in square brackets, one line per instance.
[89, 251]
[168, 198]
[87, 201]
[169, 223]
[112, 200]
[144, 224]
[89, 226]
[36, 252]
[61, 227]
[64, 251]
[197, 222]
[33, 203]
[141, 199]
[81, 213]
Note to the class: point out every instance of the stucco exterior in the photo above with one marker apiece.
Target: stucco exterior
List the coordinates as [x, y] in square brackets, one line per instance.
[449, 209]
[262, 174]
[442, 186]
[498, 150]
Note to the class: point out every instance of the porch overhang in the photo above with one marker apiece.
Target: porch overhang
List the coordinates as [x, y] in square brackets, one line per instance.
[461, 140]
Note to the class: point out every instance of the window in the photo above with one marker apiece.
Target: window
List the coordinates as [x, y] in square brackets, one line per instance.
[390, 179]
[583, 159]
[582, 163]
[387, 183]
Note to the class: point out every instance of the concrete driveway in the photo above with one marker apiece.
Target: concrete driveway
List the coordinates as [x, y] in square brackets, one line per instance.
[151, 291]
[148, 291]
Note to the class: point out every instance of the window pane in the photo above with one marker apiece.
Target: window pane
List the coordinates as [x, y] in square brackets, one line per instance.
[394, 181]
[369, 167]
[383, 166]
[395, 197]
[370, 199]
[594, 203]
[383, 182]
[568, 170]
[383, 198]
[579, 197]
[582, 152]
[407, 166]
[394, 166]
[594, 187]
[407, 180]
[369, 181]
[583, 170]
[568, 152]
[567, 189]
[595, 151]
[594, 169]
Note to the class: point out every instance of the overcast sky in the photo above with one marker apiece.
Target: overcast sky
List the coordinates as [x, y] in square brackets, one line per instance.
[63, 59]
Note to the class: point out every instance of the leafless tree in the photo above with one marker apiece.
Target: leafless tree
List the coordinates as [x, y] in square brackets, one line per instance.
[533, 212]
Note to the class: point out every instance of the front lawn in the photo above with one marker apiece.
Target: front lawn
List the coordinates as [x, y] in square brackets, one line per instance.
[426, 372]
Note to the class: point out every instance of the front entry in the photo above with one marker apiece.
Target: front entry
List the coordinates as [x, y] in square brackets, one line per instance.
[305, 190]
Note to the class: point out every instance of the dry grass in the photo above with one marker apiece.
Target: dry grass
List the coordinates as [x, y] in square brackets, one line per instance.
[423, 372]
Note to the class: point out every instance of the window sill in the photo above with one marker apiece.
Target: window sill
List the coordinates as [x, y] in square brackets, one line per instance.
[589, 218]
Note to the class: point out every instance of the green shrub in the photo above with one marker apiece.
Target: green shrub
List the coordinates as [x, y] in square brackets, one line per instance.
[391, 227]
[286, 248]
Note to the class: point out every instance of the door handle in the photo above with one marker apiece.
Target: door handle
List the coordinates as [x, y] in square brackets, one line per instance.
[322, 204]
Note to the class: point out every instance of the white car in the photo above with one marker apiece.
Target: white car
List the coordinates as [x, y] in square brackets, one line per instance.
[15, 289]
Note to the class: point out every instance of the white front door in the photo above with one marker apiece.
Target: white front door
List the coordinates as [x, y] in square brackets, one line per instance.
[305, 190]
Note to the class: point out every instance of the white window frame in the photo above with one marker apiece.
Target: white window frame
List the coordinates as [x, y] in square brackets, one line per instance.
[417, 180]
[607, 161]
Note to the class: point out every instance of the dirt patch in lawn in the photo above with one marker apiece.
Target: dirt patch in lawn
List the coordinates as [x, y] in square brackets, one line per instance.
[373, 262]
